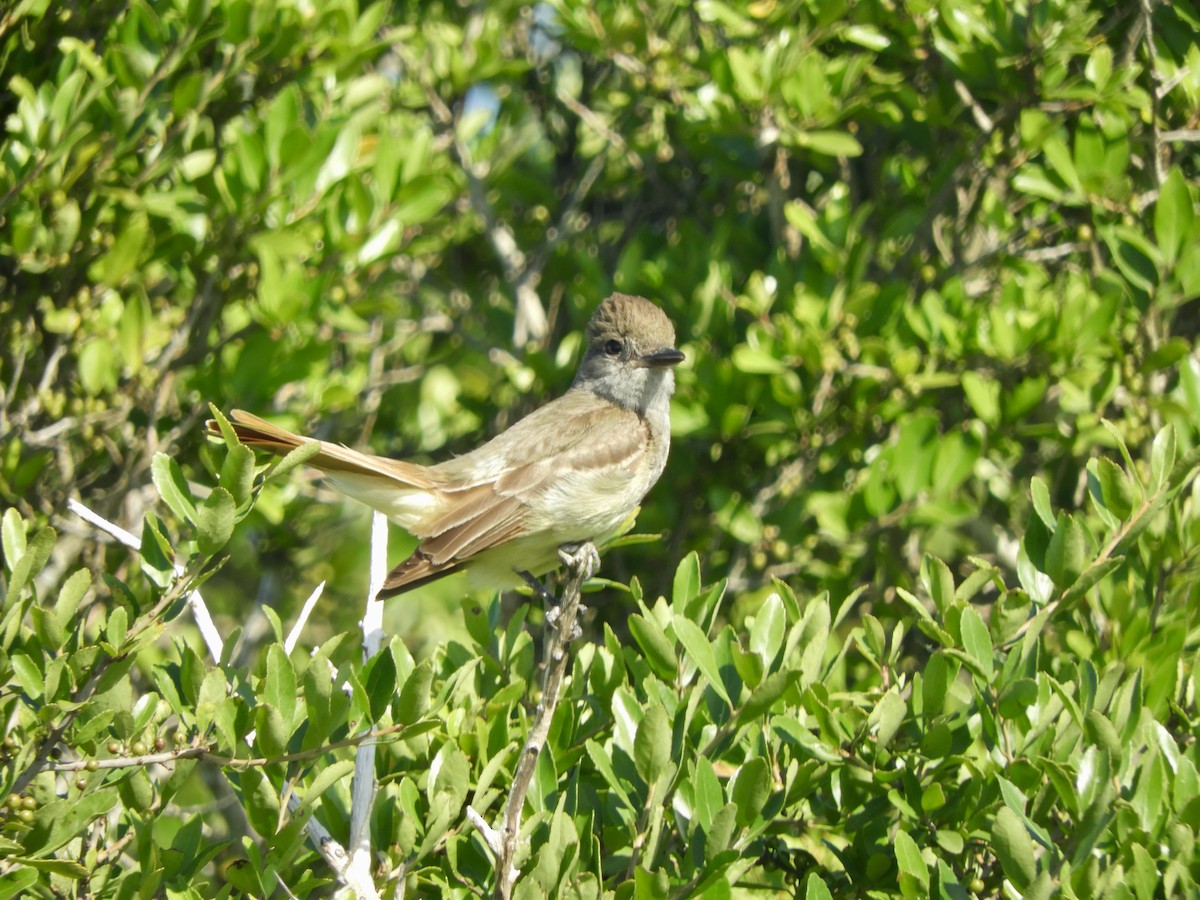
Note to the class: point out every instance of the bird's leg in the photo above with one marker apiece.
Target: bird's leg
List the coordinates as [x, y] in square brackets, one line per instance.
[582, 562]
[580, 557]
[539, 589]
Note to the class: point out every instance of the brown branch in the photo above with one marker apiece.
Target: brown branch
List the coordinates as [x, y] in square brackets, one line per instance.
[203, 754]
[561, 619]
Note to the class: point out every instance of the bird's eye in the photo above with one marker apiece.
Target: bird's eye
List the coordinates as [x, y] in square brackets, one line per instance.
[613, 348]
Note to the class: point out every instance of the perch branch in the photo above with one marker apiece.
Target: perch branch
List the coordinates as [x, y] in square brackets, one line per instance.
[581, 561]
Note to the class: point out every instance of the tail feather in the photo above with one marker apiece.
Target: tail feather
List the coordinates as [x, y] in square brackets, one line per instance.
[332, 458]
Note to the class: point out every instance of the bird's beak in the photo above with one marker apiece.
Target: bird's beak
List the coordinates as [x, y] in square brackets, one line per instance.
[661, 359]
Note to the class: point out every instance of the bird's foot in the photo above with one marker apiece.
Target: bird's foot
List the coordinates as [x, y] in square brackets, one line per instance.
[581, 557]
[554, 613]
[539, 589]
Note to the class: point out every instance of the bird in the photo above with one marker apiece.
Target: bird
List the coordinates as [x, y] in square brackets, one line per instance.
[572, 471]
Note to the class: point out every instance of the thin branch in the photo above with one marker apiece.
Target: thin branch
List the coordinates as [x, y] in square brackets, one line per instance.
[1189, 135]
[1152, 64]
[305, 611]
[352, 871]
[204, 621]
[114, 531]
[562, 628]
[982, 119]
[594, 122]
[362, 787]
[203, 754]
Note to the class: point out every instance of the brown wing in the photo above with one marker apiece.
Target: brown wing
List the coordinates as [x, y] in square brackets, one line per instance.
[496, 521]
[262, 435]
[488, 513]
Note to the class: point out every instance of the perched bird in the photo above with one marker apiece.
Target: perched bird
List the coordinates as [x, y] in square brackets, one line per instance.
[569, 472]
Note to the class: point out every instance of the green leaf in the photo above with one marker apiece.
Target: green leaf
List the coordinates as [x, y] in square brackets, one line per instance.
[767, 632]
[888, 716]
[214, 521]
[450, 774]
[815, 888]
[116, 626]
[126, 251]
[16, 883]
[829, 143]
[1040, 495]
[935, 679]
[1174, 213]
[603, 763]
[158, 556]
[909, 859]
[294, 458]
[657, 648]
[421, 199]
[718, 834]
[1066, 555]
[172, 487]
[71, 593]
[280, 684]
[976, 640]
[237, 473]
[983, 393]
[413, 701]
[750, 788]
[708, 797]
[134, 323]
[686, 586]
[272, 732]
[30, 563]
[1099, 66]
[68, 868]
[756, 361]
[326, 778]
[1135, 257]
[698, 649]
[652, 745]
[60, 821]
[939, 582]
[1162, 457]
[766, 694]
[1111, 487]
[12, 537]
[1014, 847]
[29, 675]
[381, 684]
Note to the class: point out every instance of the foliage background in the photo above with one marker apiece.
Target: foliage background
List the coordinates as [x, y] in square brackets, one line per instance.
[917, 255]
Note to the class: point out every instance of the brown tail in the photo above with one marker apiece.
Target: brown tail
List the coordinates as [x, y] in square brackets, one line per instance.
[333, 458]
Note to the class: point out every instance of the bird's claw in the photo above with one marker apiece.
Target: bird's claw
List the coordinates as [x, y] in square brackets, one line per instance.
[582, 558]
[554, 613]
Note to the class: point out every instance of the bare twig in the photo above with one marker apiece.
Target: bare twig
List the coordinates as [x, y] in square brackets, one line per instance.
[362, 787]
[982, 119]
[562, 628]
[1152, 65]
[204, 622]
[305, 611]
[594, 122]
[1189, 135]
[352, 869]
[201, 753]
